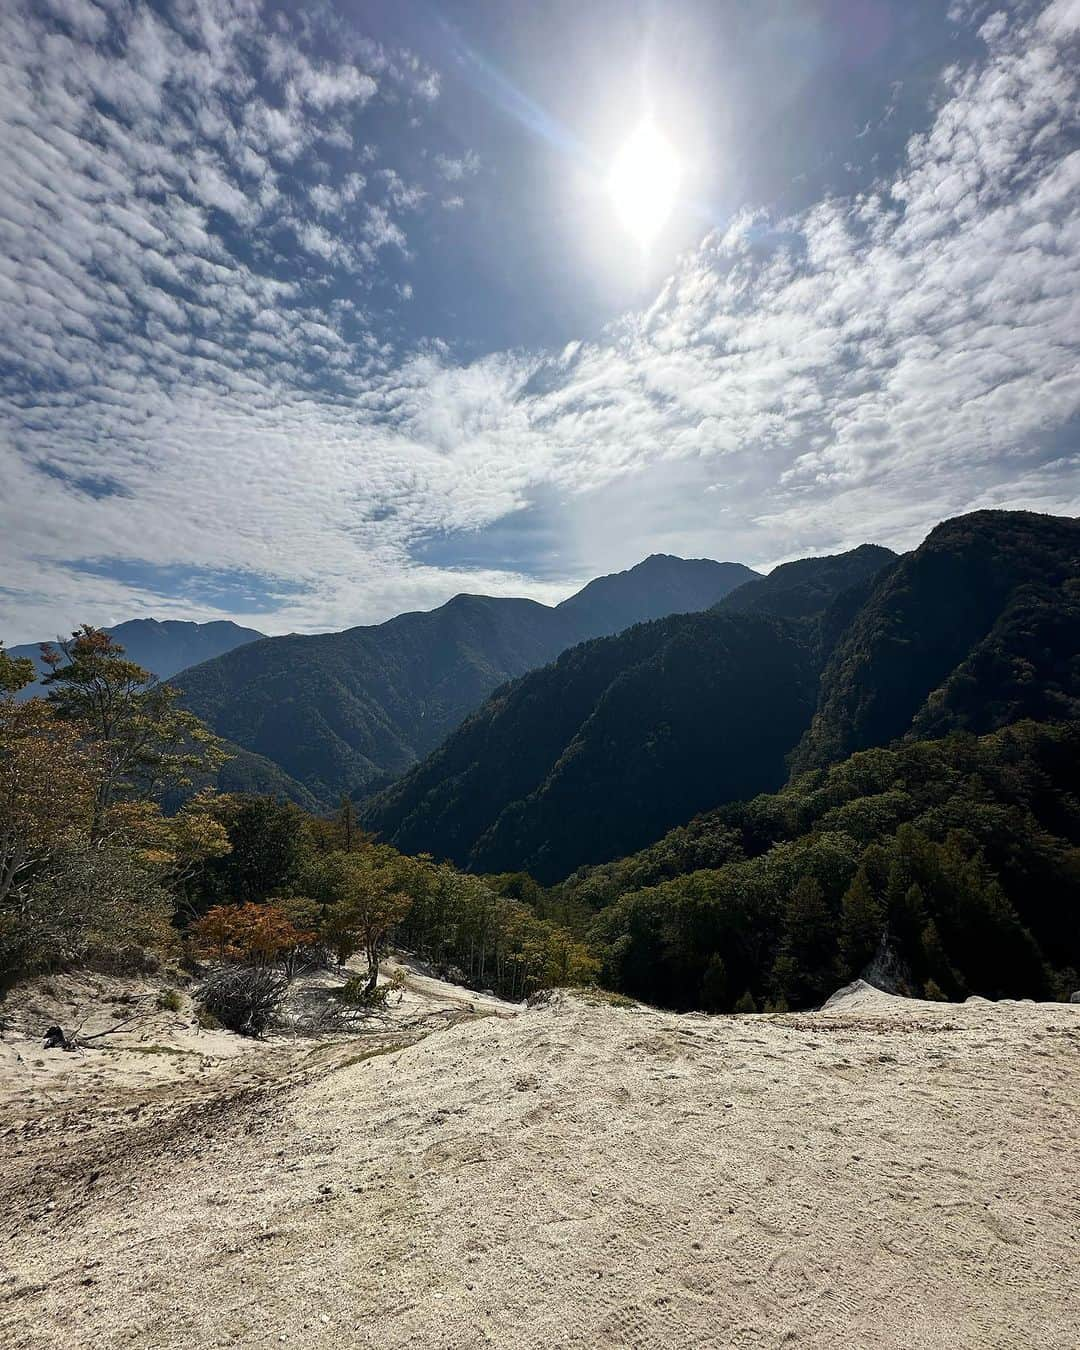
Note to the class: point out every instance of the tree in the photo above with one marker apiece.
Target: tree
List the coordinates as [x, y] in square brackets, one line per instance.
[714, 984]
[15, 672]
[805, 969]
[368, 899]
[269, 851]
[350, 833]
[88, 904]
[47, 779]
[248, 935]
[862, 922]
[146, 744]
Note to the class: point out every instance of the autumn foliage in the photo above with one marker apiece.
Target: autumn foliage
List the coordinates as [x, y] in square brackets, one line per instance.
[248, 935]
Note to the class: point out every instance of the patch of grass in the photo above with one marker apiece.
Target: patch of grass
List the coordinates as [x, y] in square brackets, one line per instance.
[604, 998]
[169, 1000]
[374, 1053]
[206, 1019]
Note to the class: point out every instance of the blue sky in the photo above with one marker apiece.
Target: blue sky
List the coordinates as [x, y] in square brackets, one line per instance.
[311, 314]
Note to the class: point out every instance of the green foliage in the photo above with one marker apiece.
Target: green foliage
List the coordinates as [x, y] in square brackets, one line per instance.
[807, 588]
[270, 852]
[862, 922]
[462, 925]
[170, 1000]
[368, 894]
[89, 867]
[95, 906]
[615, 742]
[349, 712]
[590, 758]
[359, 992]
[806, 967]
[971, 875]
[16, 672]
[745, 1003]
[144, 744]
[977, 628]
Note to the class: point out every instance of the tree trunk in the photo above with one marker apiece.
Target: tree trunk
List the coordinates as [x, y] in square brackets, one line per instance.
[373, 971]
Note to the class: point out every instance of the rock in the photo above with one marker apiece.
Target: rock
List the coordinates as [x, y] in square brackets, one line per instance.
[1074, 997]
[856, 993]
[55, 1039]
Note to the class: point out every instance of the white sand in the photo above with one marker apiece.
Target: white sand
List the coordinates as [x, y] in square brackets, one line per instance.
[884, 1173]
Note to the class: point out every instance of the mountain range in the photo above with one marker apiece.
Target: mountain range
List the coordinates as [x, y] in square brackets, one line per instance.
[349, 712]
[162, 646]
[599, 753]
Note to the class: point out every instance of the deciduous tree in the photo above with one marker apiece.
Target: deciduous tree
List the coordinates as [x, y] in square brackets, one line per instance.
[145, 744]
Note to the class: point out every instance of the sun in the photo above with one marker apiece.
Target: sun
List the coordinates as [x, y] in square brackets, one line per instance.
[643, 183]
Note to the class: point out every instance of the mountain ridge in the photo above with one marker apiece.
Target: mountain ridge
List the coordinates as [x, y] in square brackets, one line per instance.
[347, 712]
[162, 646]
[975, 629]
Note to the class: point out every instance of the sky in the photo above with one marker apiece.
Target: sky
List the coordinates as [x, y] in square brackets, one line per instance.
[314, 313]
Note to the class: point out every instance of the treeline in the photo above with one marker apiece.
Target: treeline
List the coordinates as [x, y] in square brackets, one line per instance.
[943, 868]
[328, 871]
[94, 873]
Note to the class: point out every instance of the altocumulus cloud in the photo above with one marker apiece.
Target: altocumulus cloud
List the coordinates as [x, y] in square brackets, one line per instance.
[186, 387]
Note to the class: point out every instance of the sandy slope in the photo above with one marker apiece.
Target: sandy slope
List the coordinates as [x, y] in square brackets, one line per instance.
[881, 1173]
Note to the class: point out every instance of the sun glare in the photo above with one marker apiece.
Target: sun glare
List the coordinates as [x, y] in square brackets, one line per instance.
[643, 182]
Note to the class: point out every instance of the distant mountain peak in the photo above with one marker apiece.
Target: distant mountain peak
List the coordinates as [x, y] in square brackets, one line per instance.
[659, 585]
[162, 646]
[364, 704]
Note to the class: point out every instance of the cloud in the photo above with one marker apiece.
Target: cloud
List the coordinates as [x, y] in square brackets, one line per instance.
[185, 388]
[454, 169]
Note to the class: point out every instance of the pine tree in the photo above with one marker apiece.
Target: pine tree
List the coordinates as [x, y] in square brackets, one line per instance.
[143, 743]
[806, 967]
[862, 922]
[714, 984]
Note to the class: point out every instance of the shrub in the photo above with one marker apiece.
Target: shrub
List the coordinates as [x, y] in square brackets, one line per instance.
[244, 999]
[205, 1019]
[169, 1000]
[357, 993]
[248, 935]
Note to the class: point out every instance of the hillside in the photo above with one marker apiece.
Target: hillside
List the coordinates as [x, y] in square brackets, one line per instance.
[622, 738]
[615, 742]
[979, 626]
[806, 588]
[348, 712]
[162, 646]
[884, 1172]
[945, 865]
[599, 754]
[655, 588]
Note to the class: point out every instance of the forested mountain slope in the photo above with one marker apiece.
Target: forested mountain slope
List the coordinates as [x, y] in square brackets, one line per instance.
[162, 646]
[655, 588]
[806, 588]
[608, 747]
[348, 712]
[979, 626]
[600, 753]
[948, 867]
